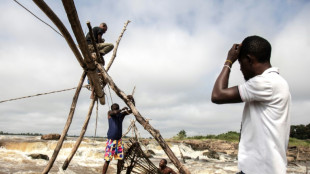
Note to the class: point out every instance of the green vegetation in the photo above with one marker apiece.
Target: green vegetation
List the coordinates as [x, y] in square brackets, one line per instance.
[297, 142]
[299, 136]
[181, 135]
[300, 131]
[229, 136]
[27, 134]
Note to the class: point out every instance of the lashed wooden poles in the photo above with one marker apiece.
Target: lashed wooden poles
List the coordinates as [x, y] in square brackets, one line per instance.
[89, 66]
[155, 133]
[66, 128]
[79, 140]
[80, 38]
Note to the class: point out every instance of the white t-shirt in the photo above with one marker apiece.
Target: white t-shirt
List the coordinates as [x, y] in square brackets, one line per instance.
[265, 124]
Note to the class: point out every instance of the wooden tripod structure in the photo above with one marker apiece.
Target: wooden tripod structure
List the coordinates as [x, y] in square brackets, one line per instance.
[91, 69]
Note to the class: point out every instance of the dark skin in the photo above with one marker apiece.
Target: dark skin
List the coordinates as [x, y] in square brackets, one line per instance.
[164, 168]
[249, 67]
[112, 113]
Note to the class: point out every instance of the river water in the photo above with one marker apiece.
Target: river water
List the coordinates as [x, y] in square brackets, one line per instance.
[89, 157]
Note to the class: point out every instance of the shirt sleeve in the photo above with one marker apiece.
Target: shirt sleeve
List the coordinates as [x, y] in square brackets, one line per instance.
[256, 89]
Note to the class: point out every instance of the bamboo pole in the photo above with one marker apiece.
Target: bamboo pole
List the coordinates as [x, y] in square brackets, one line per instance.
[79, 140]
[80, 38]
[66, 164]
[155, 133]
[66, 128]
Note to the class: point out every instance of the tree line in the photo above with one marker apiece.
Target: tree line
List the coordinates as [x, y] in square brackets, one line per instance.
[29, 134]
[301, 132]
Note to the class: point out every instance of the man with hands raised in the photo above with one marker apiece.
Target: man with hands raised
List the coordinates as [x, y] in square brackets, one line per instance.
[266, 115]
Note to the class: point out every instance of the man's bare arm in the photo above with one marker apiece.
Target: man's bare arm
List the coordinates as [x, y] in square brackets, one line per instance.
[113, 113]
[221, 94]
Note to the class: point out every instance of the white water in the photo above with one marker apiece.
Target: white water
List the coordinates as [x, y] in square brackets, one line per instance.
[89, 157]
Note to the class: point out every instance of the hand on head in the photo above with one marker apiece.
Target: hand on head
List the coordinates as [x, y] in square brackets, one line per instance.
[233, 53]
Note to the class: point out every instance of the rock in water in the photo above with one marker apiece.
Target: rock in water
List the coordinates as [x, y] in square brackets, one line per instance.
[38, 156]
[50, 137]
[211, 154]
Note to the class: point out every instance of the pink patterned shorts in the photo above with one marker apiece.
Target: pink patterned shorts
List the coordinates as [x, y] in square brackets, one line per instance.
[114, 148]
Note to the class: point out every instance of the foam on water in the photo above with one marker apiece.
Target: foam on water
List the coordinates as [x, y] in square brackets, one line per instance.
[89, 157]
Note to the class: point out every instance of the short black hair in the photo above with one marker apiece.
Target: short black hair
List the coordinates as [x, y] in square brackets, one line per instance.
[114, 106]
[103, 24]
[165, 161]
[256, 46]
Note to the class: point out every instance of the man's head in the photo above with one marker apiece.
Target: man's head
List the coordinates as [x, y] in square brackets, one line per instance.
[162, 163]
[255, 51]
[103, 26]
[115, 107]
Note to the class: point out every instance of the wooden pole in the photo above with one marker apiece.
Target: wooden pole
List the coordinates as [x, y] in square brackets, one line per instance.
[80, 38]
[92, 38]
[96, 119]
[79, 140]
[66, 128]
[155, 133]
[116, 45]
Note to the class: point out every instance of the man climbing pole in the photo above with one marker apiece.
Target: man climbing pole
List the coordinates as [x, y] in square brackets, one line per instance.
[114, 145]
[104, 48]
[266, 115]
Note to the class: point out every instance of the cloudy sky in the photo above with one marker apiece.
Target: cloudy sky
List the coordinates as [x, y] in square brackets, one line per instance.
[172, 52]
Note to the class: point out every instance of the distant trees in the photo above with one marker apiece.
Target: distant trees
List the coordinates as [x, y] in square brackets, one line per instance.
[27, 134]
[300, 131]
[181, 134]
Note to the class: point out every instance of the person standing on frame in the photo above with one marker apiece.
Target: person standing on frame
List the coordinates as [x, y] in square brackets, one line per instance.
[114, 145]
[266, 115]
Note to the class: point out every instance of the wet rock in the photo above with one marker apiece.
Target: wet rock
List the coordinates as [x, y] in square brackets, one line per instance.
[187, 157]
[150, 152]
[148, 155]
[38, 156]
[290, 159]
[211, 154]
[50, 137]
[145, 142]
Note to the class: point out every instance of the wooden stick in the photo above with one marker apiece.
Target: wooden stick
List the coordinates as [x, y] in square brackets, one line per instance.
[155, 133]
[80, 38]
[133, 91]
[92, 37]
[79, 140]
[116, 46]
[96, 119]
[66, 128]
